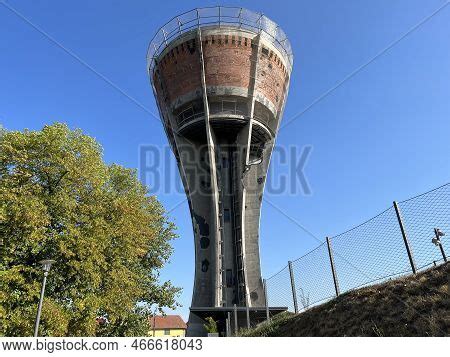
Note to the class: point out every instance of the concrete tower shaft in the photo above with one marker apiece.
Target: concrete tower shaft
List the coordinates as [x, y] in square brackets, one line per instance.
[220, 78]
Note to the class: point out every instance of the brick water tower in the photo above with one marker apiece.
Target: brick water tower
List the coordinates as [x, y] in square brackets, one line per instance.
[220, 77]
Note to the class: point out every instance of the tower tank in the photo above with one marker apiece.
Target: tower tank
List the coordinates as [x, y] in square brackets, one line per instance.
[220, 76]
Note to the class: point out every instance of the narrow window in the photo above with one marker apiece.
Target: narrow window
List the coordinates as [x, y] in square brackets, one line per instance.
[226, 215]
[229, 278]
[225, 162]
[205, 265]
[204, 242]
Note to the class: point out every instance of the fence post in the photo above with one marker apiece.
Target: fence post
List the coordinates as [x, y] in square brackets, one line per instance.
[405, 237]
[247, 310]
[235, 319]
[333, 269]
[294, 291]
[265, 298]
[438, 239]
[228, 324]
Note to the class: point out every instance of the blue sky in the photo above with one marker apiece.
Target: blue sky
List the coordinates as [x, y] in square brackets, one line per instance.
[382, 135]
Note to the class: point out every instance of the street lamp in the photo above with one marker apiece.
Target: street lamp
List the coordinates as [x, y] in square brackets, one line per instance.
[46, 265]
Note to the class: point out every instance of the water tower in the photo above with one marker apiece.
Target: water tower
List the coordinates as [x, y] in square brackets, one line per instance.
[220, 76]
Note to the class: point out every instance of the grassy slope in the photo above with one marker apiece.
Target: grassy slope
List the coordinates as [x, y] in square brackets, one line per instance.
[412, 306]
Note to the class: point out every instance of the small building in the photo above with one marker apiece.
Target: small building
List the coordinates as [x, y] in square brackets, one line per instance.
[168, 325]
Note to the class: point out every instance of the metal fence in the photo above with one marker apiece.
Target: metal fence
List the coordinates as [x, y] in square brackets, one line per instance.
[407, 237]
[237, 17]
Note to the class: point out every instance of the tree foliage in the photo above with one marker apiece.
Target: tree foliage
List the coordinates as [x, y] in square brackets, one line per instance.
[59, 200]
[211, 325]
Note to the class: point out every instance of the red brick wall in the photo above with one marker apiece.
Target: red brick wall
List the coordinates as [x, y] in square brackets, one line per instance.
[271, 78]
[180, 70]
[227, 63]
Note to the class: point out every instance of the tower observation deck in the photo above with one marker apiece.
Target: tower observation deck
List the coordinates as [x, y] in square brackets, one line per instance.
[220, 76]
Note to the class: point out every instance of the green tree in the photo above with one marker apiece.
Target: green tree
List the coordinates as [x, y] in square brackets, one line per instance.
[59, 200]
[211, 325]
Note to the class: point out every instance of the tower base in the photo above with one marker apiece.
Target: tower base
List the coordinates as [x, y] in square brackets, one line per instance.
[255, 316]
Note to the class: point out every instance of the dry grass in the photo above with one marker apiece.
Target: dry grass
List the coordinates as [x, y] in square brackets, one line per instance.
[412, 306]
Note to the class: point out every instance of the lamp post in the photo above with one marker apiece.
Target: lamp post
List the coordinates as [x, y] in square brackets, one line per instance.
[46, 265]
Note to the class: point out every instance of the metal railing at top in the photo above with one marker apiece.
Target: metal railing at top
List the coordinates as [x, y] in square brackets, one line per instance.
[237, 17]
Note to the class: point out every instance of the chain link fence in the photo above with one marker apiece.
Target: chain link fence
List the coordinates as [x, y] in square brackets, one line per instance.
[406, 238]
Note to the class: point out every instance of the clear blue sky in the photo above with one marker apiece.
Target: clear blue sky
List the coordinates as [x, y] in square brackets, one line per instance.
[382, 135]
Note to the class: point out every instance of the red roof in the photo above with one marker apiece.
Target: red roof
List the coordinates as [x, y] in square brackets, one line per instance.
[167, 322]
